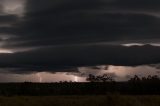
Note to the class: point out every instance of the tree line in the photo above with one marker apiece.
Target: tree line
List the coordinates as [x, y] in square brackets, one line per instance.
[96, 85]
[110, 78]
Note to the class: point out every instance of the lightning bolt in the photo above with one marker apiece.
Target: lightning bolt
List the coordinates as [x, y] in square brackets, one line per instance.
[39, 77]
[76, 79]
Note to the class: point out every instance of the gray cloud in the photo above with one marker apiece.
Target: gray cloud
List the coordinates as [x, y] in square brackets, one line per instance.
[64, 22]
[69, 57]
[7, 19]
[61, 30]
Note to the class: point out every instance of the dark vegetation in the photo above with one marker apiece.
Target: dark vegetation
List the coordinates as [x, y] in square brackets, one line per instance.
[88, 100]
[97, 85]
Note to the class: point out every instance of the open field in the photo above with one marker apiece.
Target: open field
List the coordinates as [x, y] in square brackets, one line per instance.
[106, 100]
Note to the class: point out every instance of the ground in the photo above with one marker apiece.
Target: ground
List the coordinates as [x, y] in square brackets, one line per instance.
[103, 100]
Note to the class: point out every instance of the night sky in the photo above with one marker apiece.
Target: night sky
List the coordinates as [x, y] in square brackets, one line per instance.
[54, 40]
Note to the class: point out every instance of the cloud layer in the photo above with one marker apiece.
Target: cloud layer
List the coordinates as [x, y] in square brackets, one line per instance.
[69, 57]
[62, 34]
[62, 22]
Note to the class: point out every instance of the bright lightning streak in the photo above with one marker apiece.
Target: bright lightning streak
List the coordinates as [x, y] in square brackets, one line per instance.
[39, 76]
[76, 79]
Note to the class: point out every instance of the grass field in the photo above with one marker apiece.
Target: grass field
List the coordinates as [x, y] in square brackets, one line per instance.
[114, 100]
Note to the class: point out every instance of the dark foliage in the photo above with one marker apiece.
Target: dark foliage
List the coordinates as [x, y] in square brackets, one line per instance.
[99, 85]
[148, 79]
[100, 78]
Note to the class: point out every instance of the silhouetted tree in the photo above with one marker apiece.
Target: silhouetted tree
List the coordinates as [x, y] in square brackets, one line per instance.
[100, 78]
[135, 79]
[150, 78]
[91, 78]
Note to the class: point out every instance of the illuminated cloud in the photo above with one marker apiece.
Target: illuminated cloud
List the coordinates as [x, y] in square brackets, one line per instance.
[13, 7]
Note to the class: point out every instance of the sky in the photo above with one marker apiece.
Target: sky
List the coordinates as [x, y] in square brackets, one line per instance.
[54, 40]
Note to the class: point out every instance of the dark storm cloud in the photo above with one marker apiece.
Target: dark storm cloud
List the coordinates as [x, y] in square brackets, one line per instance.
[60, 58]
[60, 22]
[5, 19]
[34, 69]
[62, 29]
[83, 4]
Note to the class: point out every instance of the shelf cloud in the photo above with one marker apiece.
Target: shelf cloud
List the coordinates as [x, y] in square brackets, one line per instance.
[64, 34]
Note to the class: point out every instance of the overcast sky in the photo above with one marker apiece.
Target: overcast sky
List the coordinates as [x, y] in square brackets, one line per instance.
[64, 35]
